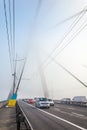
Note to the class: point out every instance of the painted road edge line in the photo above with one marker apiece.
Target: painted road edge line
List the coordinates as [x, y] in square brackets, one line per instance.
[66, 121]
[77, 126]
[26, 118]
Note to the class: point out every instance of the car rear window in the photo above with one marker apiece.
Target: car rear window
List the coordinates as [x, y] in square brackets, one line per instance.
[42, 99]
[49, 99]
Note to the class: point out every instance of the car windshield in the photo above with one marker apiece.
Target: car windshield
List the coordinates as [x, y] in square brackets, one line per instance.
[42, 99]
[49, 99]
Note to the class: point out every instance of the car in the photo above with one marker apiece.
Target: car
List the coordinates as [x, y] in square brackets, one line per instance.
[51, 102]
[31, 101]
[42, 103]
[66, 100]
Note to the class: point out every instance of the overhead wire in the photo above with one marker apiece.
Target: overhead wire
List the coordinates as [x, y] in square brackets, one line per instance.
[22, 69]
[12, 41]
[71, 17]
[7, 31]
[10, 22]
[69, 72]
[14, 29]
[80, 15]
[10, 25]
[39, 3]
[65, 45]
[52, 58]
[76, 34]
[9, 37]
[35, 18]
[37, 9]
[20, 76]
[73, 37]
[64, 37]
[13, 49]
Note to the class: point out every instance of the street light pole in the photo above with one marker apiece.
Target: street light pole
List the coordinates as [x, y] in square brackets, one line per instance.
[14, 79]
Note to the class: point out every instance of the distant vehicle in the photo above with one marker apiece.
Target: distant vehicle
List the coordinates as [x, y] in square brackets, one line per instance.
[51, 102]
[35, 98]
[79, 100]
[31, 101]
[25, 100]
[66, 100]
[42, 103]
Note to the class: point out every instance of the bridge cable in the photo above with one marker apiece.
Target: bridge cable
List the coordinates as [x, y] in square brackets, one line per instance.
[76, 34]
[20, 76]
[58, 45]
[14, 29]
[67, 33]
[8, 38]
[67, 44]
[69, 72]
[71, 17]
[35, 18]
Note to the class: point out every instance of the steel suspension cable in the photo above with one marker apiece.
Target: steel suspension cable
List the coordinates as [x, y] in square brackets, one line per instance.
[71, 17]
[20, 76]
[60, 43]
[13, 29]
[8, 39]
[76, 34]
[69, 72]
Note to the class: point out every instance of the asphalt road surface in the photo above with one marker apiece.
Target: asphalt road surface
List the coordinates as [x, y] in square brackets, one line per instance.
[57, 117]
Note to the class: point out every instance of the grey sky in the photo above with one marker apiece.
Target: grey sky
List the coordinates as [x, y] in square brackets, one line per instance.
[37, 34]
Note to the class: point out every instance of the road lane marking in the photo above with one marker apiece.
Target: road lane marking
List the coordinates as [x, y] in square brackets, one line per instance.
[64, 112]
[26, 119]
[59, 118]
[66, 121]
[72, 114]
[78, 114]
[71, 108]
[57, 109]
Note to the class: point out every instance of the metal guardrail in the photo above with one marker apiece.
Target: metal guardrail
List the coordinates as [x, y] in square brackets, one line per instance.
[21, 119]
[82, 104]
[3, 103]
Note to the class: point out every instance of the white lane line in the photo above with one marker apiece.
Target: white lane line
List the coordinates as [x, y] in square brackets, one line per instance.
[66, 121]
[77, 126]
[71, 108]
[26, 119]
[78, 114]
[72, 114]
[63, 112]
[57, 109]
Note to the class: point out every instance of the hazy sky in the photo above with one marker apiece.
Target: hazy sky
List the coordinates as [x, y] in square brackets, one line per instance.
[40, 27]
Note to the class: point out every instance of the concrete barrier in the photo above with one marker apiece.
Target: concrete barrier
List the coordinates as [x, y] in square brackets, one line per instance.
[3, 103]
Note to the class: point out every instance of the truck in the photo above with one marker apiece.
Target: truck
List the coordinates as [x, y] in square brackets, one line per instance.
[79, 100]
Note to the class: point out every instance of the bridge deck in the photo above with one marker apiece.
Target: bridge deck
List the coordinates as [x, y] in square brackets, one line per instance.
[8, 119]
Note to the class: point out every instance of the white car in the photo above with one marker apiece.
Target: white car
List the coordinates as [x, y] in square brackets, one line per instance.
[51, 102]
[42, 103]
